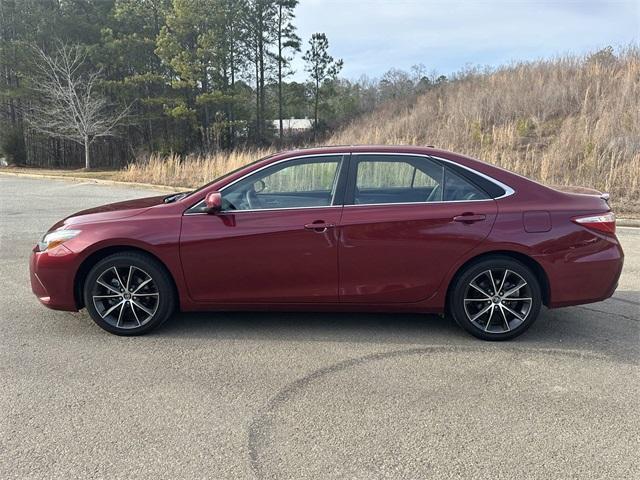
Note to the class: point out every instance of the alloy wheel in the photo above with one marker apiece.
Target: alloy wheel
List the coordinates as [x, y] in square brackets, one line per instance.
[498, 300]
[125, 297]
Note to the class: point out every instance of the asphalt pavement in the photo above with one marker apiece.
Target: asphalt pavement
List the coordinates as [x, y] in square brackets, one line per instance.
[290, 395]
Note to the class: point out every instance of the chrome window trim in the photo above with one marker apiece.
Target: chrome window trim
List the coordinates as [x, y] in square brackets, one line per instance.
[290, 159]
[508, 190]
[235, 212]
[435, 202]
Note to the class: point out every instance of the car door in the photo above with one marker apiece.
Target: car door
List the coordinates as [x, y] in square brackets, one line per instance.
[406, 220]
[275, 239]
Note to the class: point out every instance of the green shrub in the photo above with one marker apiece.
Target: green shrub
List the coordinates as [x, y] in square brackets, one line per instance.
[525, 127]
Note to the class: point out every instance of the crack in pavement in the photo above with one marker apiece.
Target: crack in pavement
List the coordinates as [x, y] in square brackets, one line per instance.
[262, 423]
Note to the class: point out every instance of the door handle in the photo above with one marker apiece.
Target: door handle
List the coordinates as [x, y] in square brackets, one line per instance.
[319, 226]
[469, 218]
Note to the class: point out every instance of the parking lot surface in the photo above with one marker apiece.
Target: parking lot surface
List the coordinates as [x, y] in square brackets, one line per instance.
[291, 395]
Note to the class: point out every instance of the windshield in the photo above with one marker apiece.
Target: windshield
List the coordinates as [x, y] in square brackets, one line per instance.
[232, 172]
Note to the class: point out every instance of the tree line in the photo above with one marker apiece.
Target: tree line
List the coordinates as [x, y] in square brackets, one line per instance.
[120, 77]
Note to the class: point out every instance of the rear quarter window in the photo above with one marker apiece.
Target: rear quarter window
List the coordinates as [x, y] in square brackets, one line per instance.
[457, 188]
[459, 177]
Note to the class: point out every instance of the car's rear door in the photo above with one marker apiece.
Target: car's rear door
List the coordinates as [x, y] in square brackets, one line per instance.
[274, 241]
[406, 220]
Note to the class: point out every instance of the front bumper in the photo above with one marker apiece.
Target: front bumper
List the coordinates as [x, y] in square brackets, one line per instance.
[52, 276]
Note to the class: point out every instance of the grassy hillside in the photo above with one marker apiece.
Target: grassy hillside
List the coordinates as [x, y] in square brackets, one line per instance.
[565, 121]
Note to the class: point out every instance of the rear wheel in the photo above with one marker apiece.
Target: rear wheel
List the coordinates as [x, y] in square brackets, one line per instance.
[497, 298]
[128, 293]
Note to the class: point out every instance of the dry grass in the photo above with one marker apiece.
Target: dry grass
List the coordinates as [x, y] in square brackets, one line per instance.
[192, 171]
[566, 121]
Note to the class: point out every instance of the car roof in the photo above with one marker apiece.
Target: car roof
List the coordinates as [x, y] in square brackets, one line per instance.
[428, 149]
[388, 149]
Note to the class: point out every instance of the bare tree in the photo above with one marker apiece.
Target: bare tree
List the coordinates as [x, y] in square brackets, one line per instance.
[69, 103]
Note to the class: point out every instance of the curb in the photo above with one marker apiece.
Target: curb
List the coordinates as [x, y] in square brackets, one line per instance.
[620, 222]
[96, 180]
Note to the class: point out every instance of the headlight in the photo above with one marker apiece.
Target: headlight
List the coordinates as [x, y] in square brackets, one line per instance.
[53, 239]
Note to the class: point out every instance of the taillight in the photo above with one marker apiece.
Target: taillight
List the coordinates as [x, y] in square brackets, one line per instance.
[605, 222]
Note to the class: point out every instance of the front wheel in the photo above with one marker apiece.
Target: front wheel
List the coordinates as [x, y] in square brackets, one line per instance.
[129, 293]
[497, 298]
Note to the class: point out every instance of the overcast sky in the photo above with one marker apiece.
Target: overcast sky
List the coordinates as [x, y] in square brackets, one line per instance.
[373, 36]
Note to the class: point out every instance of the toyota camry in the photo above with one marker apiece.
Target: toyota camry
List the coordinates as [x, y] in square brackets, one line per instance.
[377, 229]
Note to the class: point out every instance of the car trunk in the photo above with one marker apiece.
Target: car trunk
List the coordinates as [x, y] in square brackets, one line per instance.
[584, 198]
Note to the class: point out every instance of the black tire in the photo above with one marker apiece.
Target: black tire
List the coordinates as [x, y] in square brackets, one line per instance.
[122, 300]
[505, 316]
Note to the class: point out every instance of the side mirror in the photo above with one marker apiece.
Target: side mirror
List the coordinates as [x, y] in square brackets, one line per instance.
[213, 201]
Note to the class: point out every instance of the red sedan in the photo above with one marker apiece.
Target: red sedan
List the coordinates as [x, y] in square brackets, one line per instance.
[379, 229]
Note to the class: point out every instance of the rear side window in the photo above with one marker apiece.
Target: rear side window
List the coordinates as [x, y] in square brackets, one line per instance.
[389, 179]
[396, 179]
[384, 174]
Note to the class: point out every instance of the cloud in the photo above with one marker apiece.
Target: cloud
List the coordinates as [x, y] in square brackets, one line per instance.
[375, 35]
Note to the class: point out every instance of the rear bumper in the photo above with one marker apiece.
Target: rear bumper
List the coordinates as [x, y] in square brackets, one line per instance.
[52, 277]
[585, 274]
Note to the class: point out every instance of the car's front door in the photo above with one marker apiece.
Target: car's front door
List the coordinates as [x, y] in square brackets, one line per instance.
[275, 239]
[403, 226]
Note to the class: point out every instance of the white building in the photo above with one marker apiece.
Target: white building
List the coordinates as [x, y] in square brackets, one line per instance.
[292, 126]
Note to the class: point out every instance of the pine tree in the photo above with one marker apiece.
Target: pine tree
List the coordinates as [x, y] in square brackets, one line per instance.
[321, 67]
[287, 40]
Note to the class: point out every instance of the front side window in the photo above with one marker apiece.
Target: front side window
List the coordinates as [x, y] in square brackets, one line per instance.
[305, 182]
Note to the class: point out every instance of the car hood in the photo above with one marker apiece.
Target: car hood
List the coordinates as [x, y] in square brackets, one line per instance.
[111, 211]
